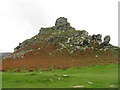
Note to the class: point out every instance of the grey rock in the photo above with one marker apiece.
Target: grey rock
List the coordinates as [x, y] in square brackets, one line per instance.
[99, 37]
[20, 54]
[77, 47]
[84, 33]
[62, 24]
[23, 44]
[85, 42]
[63, 34]
[93, 37]
[78, 34]
[55, 39]
[42, 30]
[107, 39]
[61, 21]
[18, 47]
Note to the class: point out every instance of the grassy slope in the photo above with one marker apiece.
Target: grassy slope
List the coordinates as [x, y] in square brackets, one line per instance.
[0, 80]
[100, 76]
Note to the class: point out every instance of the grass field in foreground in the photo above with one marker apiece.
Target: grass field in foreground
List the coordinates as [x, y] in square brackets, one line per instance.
[88, 77]
[0, 80]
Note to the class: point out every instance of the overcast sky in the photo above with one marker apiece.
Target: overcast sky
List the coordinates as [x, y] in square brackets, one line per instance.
[22, 19]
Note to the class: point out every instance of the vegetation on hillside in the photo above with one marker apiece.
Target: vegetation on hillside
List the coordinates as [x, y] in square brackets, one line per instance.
[88, 77]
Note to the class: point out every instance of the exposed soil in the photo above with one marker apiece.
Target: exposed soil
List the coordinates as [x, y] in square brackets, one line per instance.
[48, 58]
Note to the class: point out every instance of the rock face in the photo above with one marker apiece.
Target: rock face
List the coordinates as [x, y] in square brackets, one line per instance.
[61, 21]
[62, 24]
[106, 39]
[66, 37]
[61, 46]
[97, 37]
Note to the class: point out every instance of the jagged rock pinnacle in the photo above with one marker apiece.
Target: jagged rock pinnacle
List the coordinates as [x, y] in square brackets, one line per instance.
[61, 45]
[62, 24]
[61, 21]
[66, 36]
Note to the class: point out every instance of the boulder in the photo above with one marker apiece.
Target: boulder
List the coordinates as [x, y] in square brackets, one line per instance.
[78, 34]
[93, 37]
[85, 42]
[62, 24]
[18, 47]
[98, 37]
[84, 33]
[42, 30]
[107, 39]
[61, 21]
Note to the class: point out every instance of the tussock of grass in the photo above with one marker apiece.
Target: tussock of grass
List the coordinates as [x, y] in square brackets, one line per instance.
[88, 77]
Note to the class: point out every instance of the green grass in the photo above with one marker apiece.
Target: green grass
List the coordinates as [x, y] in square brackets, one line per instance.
[101, 77]
[0, 80]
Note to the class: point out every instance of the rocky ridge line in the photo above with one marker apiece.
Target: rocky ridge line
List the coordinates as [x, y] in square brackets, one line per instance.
[66, 37]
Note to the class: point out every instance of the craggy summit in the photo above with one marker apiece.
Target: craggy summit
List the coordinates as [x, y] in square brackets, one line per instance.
[62, 46]
[61, 24]
[66, 36]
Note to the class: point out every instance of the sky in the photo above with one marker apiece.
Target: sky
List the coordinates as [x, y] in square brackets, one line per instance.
[22, 19]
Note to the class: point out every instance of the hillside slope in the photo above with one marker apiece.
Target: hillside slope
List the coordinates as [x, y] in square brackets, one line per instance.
[61, 46]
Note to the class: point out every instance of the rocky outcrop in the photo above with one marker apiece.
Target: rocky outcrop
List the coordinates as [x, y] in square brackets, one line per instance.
[97, 38]
[60, 46]
[61, 24]
[67, 37]
[106, 41]
[61, 21]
